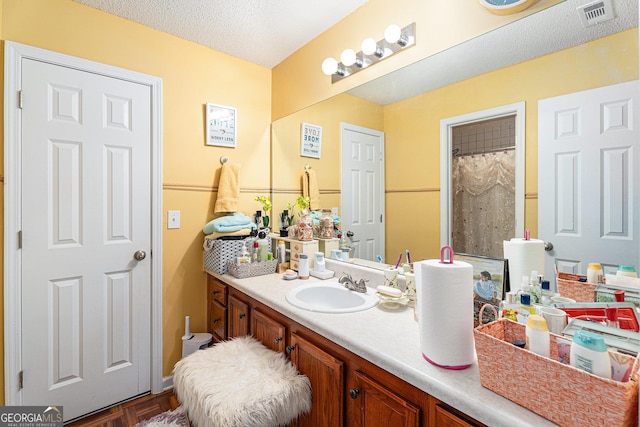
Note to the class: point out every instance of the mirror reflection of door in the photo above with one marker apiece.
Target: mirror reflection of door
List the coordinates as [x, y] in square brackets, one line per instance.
[483, 184]
[588, 174]
[362, 184]
[482, 180]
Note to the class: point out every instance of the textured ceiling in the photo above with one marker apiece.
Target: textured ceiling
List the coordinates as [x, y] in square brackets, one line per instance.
[259, 31]
[266, 32]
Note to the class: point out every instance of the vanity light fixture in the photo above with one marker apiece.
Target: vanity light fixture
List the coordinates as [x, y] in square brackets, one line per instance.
[393, 34]
[370, 47]
[349, 58]
[330, 67]
[395, 39]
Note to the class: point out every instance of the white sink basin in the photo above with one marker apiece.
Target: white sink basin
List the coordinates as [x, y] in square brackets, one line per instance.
[331, 297]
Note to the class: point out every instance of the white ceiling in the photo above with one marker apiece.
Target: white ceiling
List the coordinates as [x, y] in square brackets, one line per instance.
[259, 31]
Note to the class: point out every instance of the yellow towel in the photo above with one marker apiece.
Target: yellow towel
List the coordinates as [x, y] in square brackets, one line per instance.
[228, 189]
[310, 188]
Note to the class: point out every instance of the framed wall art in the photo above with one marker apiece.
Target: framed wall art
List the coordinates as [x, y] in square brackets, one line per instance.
[310, 140]
[222, 125]
[490, 283]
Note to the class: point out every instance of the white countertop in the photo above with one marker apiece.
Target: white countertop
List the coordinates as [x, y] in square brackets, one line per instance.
[390, 340]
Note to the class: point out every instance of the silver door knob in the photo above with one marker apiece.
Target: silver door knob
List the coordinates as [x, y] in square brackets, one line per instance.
[140, 255]
[350, 234]
[548, 246]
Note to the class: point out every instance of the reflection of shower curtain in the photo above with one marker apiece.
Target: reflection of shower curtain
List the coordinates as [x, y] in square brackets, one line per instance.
[483, 202]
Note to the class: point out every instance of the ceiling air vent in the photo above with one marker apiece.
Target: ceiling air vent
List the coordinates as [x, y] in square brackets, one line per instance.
[595, 12]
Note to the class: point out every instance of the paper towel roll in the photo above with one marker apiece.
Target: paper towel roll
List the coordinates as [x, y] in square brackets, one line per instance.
[524, 256]
[445, 312]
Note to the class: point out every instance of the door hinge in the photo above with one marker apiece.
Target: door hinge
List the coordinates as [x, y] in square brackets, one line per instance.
[20, 239]
[20, 99]
[20, 379]
[380, 218]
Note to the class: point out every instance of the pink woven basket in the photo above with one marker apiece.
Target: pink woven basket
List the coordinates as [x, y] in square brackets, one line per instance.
[561, 393]
[569, 286]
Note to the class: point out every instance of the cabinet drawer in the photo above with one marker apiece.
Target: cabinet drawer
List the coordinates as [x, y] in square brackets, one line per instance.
[217, 291]
[218, 320]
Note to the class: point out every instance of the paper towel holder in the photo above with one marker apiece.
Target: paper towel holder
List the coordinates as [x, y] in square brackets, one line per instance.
[442, 252]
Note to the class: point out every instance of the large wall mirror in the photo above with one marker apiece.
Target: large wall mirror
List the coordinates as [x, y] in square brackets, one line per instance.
[544, 55]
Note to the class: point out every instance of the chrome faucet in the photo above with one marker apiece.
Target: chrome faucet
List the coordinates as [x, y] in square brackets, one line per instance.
[351, 284]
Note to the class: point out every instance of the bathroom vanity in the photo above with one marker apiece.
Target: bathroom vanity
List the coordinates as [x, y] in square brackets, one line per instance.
[366, 367]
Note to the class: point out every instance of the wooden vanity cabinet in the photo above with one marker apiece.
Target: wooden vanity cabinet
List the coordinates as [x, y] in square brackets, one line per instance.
[268, 331]
[376, 405]
[216, 309]
[326, 374]
[347, 390]
[238, 317]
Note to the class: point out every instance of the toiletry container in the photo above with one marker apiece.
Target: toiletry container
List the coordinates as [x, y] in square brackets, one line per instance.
[281, 252]
[627, 271]
[589, 353]
[319, 264]
[537, 335]
[510, 306]
[303, 267]
[594, 273]
[263, 246]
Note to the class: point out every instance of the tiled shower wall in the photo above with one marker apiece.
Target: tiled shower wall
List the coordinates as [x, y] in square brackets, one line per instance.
[485, 136]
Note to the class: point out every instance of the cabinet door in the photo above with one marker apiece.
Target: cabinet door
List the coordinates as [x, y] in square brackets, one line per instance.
[238, 317]
[379, 406]
[445, 418]
[268, 331]
[326, 374]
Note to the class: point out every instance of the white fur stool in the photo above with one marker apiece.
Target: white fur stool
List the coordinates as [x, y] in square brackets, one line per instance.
[240, 383]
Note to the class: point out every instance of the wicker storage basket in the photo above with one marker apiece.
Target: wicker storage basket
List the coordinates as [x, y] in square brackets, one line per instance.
[219, 252]
[569, 286]
[242, 271]
[561, 393]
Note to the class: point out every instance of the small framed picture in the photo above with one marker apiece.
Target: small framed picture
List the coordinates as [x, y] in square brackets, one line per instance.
[310, 140]
[490, 283]
[222, 125]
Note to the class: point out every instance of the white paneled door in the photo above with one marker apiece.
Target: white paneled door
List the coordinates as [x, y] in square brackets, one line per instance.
[86, 213]
[589, 178]
[362, 185]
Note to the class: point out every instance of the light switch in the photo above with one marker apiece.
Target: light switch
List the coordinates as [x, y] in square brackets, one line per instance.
[173, 219]
[334, 211]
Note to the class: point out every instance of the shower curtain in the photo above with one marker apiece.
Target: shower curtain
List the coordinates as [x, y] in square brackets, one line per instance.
[483, 202]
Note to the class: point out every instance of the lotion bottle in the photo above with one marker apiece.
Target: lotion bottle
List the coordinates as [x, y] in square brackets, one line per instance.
[303, 267]
[589, 353]
[537, 334]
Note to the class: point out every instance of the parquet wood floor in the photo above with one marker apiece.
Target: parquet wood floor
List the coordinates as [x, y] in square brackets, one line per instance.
[130, 413]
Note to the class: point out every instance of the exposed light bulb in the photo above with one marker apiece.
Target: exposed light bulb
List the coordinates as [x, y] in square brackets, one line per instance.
[370, 47]
[348, 57]
[329, 66]
[393, 34]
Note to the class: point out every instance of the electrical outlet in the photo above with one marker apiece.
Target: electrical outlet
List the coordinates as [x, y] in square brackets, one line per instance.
[173, 219]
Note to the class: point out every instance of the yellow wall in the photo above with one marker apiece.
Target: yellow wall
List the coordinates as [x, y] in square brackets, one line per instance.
[299, 82]
[412, 130]
[288, 165]
[192, 75]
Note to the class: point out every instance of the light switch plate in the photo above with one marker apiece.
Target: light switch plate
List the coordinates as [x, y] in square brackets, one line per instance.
[334, 211]
[173, 219]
